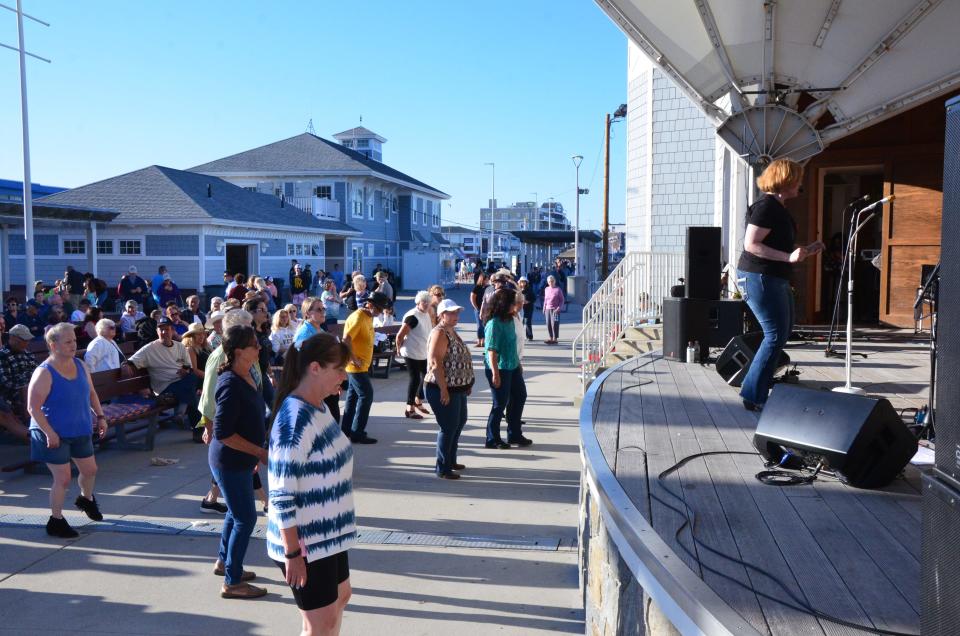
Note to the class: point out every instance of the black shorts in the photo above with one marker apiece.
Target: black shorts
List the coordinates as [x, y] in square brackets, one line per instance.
[323, 577]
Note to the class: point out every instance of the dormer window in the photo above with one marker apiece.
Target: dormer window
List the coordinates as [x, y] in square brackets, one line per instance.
[363, 143]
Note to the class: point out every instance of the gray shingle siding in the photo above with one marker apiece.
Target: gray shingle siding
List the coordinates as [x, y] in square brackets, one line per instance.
[160, 245]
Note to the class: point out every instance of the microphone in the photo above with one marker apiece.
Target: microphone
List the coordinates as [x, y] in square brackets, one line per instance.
[862, 199]
[879, 203]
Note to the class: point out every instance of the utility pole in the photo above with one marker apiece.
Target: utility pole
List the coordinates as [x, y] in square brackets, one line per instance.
[605, 246]
[577, 159]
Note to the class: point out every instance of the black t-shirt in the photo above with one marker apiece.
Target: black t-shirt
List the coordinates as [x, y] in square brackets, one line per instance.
[240, 410]
[411, 321]
[769, 213]
[477, 294]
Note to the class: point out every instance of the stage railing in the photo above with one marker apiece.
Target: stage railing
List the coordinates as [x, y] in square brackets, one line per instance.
[630, 296]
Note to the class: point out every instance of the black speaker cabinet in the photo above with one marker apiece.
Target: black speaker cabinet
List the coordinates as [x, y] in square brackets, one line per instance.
[940, 585]
[734, 361]
[860, 437]
[709, 322]
[702, 266]
[948, 310]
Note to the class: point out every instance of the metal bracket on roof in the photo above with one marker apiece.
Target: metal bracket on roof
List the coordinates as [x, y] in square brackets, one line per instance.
[827, 23]
[713, 32]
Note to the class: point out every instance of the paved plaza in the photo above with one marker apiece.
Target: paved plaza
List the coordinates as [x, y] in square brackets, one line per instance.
[494, 552]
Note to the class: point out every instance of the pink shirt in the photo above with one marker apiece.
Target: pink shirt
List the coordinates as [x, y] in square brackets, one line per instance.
[552, 297]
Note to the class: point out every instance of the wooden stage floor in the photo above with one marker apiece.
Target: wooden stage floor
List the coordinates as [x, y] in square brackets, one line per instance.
[848, 553]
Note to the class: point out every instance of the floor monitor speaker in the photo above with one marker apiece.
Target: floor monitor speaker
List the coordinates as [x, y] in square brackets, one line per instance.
[734, 362]
[702, 266]
[709, 322]
[861, 438]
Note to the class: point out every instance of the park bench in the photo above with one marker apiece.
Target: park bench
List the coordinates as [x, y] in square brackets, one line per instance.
[127, 406]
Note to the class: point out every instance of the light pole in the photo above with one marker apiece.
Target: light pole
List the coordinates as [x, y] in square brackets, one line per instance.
[618, 115]
[493, 204]
[577, 159]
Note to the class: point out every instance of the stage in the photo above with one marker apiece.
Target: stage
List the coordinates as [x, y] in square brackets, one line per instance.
[763, 556]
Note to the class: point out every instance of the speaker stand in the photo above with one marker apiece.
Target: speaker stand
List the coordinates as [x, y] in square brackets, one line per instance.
[852, 390]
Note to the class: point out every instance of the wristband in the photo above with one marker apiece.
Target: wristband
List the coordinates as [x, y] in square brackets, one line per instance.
[293, 555]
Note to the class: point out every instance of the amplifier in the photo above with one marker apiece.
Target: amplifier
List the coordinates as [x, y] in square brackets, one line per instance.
[712, 323]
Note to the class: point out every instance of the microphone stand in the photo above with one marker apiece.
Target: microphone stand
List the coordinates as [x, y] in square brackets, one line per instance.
[845, 266]
[852, 251]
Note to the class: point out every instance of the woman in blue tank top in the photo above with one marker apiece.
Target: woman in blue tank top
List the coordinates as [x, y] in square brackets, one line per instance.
[64, 411]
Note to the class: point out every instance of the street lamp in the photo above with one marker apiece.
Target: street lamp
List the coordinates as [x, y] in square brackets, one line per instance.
[493, 204]
[577, 159]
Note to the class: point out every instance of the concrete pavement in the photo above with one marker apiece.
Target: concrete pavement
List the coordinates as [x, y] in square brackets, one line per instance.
[493, 552]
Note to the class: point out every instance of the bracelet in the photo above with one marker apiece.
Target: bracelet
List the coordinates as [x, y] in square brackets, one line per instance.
[293, 555]
[101, 417]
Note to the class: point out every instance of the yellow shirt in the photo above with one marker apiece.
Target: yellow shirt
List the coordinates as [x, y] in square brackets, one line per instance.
[359, 328]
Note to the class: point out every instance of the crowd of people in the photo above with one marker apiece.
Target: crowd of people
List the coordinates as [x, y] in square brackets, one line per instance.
[261, 384]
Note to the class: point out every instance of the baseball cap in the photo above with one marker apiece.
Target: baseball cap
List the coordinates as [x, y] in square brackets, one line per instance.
[380, 300]
[21, 331]
[132, 269]
[166, 276]
[447, 304]
[164, 321]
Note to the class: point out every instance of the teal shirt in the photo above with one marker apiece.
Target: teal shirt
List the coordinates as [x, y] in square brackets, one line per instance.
[501, 336]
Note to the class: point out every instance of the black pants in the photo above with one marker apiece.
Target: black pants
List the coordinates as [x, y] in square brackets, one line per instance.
[416, 369]
[528, 320]
[333, 403]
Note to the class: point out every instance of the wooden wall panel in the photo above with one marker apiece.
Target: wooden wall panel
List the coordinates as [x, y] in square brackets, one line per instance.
[903, 280]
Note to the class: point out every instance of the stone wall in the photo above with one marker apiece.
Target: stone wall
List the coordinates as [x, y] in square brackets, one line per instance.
[614, 602]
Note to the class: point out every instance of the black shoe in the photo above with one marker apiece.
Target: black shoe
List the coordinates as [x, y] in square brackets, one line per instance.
[458, 467]
[363, 439]
[450, 475]
[89, 507]
[60, 528]
[212, 507]
[198, 435]
[497, 443]
[750, 406]
[522, 441]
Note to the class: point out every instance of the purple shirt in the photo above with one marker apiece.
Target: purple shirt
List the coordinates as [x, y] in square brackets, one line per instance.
[552, 298]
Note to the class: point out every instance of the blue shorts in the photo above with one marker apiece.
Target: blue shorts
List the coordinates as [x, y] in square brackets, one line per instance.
[76, 447]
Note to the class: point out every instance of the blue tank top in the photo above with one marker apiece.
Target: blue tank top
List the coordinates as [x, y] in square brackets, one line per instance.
[67, 407]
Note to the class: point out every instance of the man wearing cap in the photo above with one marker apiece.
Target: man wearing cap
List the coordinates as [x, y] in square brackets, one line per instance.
[358, 335]
[168, 364]
[298, 285]
[103, 353]
[16, 367]
[131, 286]
[131, 316]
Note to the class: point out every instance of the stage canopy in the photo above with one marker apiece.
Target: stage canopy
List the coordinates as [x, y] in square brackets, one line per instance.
[783, 78]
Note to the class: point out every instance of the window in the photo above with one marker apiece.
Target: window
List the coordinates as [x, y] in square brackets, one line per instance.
[303, 249]
[130, 247]
[386, 251]
[370, 250]
[323, 192]
[105, 246]
[395, 205]
[363, 143]
[357, 258]
[370, 211]
[74, 246]
[250, 188]
[348, 143]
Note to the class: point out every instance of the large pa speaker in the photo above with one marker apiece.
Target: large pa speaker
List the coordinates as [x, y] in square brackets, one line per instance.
[734, 362]
[948, 309]
[702, 265]
[861, 438]
[709, 322]
[940, 584]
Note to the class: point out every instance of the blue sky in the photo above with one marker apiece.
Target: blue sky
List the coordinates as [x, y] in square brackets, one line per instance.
[451, 85]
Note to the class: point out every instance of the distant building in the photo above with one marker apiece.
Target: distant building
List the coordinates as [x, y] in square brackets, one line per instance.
[467, 241]
[525, 215]
[13, 190]
[345, 182]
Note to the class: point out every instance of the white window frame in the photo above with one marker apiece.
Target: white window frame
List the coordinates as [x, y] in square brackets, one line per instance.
[306, 249]
[356, 257]
[369, 210]
[371, 250]
[316, 192]
[64, 239]
[119, 251]
[105, 243]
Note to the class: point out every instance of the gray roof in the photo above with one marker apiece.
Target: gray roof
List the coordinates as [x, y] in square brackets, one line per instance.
[458, 229]
[307, 153]
[438, 238]
[157, 193]
[359, 133]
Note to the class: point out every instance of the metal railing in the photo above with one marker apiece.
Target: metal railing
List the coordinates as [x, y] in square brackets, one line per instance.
[631, 295]
[319, 208]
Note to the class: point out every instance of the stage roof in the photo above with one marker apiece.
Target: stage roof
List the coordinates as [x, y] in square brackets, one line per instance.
[870, 60]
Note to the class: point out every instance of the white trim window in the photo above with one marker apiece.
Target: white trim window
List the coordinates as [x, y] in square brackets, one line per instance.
[105, 247]
[303, 249]
[129, 247]
[323, 192]
[72, 246]
[370, 250]
[370, 210]
[357, 203]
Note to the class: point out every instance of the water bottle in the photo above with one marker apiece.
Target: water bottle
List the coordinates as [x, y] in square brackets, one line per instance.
[692, 352]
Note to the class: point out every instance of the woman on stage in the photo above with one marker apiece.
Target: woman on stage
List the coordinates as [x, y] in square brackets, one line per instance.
[763, 272]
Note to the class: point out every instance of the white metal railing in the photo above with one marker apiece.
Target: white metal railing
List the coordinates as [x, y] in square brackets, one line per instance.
[631, 295]
[319, 208]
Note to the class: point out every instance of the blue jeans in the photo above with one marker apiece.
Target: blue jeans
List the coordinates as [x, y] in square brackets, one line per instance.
[185, 390]
[356, 407]
[771, 301]
[451, 417]
[241, 518]
[511, 396]
[528, 321]
[476, 312]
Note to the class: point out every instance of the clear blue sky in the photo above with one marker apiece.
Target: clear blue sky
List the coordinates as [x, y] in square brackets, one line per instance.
[451, 85]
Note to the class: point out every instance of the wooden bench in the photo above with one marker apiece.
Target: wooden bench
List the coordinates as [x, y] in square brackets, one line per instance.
[127, 406]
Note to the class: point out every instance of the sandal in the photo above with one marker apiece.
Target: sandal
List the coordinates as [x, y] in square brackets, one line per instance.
[421, 408]
[412, 415]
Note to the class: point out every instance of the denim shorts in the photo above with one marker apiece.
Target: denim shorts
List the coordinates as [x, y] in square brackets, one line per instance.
[78, 447]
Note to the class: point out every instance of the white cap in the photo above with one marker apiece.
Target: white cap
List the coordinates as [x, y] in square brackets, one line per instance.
[132, 269]
[447, 304]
